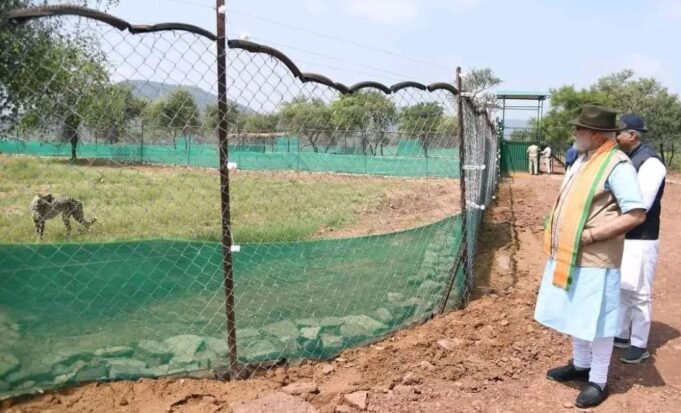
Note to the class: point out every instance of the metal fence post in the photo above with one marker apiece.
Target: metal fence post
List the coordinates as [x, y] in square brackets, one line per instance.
[460, 258]
[224, 187]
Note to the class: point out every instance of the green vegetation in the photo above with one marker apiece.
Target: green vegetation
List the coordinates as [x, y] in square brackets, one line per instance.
[660, 108]
[176, 203]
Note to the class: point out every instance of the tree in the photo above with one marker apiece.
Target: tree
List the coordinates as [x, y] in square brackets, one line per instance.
[448, 130]
[523, 135]
[310, 118]
[476, 82]
[624, 92]
[368, 114]
[177, 113]
[261, 122]
[424, 121]
[45, 74]
[111, 110]
[212, 116]
[650, 99]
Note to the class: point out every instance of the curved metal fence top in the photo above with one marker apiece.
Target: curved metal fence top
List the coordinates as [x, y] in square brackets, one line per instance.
[24, 15]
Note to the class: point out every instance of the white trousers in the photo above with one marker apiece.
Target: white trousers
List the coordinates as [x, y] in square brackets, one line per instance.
[638, 275]
[547, 163]
[594, 355]
[533, 165]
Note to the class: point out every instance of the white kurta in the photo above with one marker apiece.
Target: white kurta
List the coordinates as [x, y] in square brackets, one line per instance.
[638, 265]
[590, 308]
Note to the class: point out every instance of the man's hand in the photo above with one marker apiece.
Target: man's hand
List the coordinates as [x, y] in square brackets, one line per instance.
[587, 238]
[618, 226]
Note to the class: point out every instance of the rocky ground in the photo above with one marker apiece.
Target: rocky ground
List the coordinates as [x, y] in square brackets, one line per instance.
[489, 357]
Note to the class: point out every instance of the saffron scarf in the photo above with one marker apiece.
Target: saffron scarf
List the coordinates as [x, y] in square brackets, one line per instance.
[563, 232]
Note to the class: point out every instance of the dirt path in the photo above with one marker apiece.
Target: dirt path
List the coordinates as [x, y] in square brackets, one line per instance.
[493, 359]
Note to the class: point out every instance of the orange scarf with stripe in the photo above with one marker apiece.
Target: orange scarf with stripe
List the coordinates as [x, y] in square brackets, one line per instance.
[563, 232]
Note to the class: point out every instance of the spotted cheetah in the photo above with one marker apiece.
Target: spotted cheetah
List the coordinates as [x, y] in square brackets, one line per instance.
[45, 207]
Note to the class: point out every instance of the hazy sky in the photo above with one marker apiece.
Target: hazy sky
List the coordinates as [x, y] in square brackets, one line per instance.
[531, 44]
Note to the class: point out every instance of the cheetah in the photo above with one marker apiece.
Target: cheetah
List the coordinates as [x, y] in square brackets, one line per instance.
[45, 207]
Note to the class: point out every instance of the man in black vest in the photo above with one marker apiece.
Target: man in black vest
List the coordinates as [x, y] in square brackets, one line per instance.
[640, 246]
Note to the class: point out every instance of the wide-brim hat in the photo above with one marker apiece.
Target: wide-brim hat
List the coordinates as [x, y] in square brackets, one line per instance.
[600, 118]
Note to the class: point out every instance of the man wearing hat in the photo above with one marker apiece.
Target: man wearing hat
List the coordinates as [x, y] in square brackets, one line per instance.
[640, 245]
[579, 295]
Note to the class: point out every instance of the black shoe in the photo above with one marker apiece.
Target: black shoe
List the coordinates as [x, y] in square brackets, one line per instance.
[591, 396]
[568, 373]
[622, 342]
[635, 355]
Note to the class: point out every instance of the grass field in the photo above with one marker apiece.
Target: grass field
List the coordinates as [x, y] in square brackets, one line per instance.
[179, 203]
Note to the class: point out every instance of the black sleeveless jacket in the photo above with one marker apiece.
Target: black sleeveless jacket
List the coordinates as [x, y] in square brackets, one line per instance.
[650, 229]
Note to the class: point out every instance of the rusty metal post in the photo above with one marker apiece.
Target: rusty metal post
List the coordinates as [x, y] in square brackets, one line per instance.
[220, 12]
[460, 258]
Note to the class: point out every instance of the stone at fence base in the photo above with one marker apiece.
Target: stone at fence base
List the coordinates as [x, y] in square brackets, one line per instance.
[300, 388]
[204, 359]
[26, 385]
[92, 373]
[63, 379]
[284, 330]
[246, 333]
[404, 309]
[273, 403]
[310, 333]
[154, 352]
[62, 369]
[415, 280]
[395, 298]
[122, 369]
[429, 289]
[357, 399]
[114, 352]
[8, 364]
[217, 345]
[383, 315]
[63, 356]
[331, 342]
[307, 322]
[358, 327]
[261, 350]
[186, 344]
[37, 370]
[309, 342]
[327, 323]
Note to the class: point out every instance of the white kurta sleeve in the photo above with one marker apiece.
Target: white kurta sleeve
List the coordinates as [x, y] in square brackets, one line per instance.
[650, 177]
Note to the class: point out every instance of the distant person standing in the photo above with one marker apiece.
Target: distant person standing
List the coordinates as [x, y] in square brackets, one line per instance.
[571, 156]
[546, 153]
[533, 154]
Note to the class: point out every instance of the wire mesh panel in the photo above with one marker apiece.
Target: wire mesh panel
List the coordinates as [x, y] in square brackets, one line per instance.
[354, 224]
[135, 287]
[480, 175]
[336, 212]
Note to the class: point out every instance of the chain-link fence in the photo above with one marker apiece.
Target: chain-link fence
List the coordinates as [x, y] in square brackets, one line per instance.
[333, 217]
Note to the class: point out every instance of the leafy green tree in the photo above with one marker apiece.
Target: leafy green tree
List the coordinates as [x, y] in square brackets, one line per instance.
[46, 75]
[309, 118]
[367, 114]
[111, 110]
[423, 121]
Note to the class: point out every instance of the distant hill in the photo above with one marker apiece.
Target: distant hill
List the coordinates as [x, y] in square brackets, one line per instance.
[154, 90]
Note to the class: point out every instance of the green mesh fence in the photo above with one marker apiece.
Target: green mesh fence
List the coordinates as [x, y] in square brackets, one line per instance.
[80, 312]
[151, 299]
[258, 157]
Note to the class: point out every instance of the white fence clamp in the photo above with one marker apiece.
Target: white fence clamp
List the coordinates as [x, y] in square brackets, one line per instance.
[235, 248]
[474, 167]
[473, 205]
